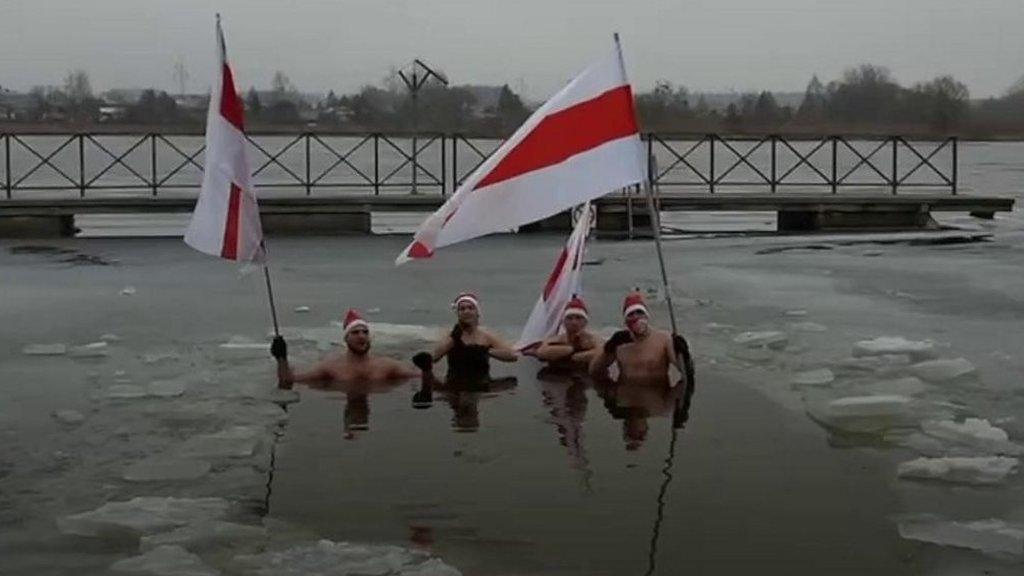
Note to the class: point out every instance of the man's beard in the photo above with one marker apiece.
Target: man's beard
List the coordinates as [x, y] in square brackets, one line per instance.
[362, 352]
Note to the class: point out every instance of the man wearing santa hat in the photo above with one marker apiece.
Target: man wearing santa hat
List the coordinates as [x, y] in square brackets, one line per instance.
[355, 364]
[643, 353]
[576, 346]
[468, 347]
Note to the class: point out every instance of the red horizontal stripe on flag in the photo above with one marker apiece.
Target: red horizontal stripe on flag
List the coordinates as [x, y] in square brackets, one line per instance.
[230, 104]
[229, 249]
[567, 133]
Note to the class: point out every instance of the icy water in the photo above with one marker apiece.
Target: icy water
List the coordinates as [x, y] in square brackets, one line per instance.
[141, 431]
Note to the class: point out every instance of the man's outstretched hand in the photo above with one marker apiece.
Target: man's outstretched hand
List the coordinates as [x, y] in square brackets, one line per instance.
[618, 339]
[278, 348]
[423, 360]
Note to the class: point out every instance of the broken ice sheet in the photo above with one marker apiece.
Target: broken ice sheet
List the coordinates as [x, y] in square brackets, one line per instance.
[762, 339]
[342, 558]
[819, 377]
[974, 434]
[980, 470]
[92, 350]
[234, 442]
[165, 561]
[991, 536]
[871, 414]
[206, 535]
[142, 515]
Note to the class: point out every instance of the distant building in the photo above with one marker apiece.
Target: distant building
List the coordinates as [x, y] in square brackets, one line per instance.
[15, 106]
[109, 113]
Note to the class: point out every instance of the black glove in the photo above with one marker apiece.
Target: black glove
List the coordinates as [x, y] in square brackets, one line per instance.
[423, 360]
[618, 339]
[683, 349]
[278, 348]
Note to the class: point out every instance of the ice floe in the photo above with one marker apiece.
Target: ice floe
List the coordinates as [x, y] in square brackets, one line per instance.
[91, 350]
[45, 349]
[206, 535]
[162, 468]
[984, 470]
[69, 417]
[142, 515]
[943, 370]
[302, 309]
[763, 339]
[128, 291]
[908, 386]
[894, 345]
[327, 558]
[871, 414]
[165, 561]
[991, 536]
[975, 434]
[808, 327]
[234, 442]
[819, 377]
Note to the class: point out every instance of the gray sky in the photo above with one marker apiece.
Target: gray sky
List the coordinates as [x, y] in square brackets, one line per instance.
[710, 45]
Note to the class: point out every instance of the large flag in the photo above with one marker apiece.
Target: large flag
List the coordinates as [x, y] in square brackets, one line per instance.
[226, 220]
[562, 285]
[581, 144]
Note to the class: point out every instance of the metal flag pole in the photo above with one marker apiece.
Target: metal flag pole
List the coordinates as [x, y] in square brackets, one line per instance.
[270, 290]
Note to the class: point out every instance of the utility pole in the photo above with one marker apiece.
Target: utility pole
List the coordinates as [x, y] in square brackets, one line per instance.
[415, 77]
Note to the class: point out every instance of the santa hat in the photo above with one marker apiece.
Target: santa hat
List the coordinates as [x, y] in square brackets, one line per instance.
[353, 320]
[634, 302]
[575, 307]
[466, 297]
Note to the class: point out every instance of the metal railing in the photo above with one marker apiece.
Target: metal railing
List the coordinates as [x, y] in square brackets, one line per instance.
[332, 163]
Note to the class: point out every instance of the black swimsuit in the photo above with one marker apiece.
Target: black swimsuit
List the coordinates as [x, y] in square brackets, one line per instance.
[468, 363]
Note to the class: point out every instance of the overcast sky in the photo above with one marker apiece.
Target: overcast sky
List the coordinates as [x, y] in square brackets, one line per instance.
[536, 45]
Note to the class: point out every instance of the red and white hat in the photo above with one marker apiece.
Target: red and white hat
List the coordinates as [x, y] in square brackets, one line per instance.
[353, 320]
[633, 302]
[576, 307]
[466, 297]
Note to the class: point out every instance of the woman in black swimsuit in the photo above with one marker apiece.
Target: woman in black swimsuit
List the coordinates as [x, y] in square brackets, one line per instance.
[468, 347]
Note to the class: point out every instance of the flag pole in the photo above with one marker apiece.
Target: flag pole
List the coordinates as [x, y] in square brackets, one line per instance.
[270, 296]
[655, 217]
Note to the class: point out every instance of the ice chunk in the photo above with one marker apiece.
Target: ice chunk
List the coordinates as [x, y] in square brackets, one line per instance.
[882, 364]
[202, 536]
[894, 345]
[158, 357]
[243, 343]
[974, 433]
[108, 337]
[302, 309]
[125, 391]
[92, 350]
[234, 442]
[327, 558]
[165, 561]
[45, 349]
[943, 370]
[165, 388]
[796, 313]
[916, 441]
[716, 327]
[128, 291]
[283, 397]
[908, 386]
[808, 327]
[161, 468]
[764, 339]
[752, 354]
[69, 417]
[966, 470]
[992, 536]
[819, 377]
[869, 414]
[142, 515]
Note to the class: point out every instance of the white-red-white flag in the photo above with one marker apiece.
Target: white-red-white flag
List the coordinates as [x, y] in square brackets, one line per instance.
[563, 284]
[581, 144]
[226, 219]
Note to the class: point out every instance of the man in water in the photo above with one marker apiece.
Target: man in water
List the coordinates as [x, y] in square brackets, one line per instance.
[643, 353]
[468, 347]
[355, 364]
[575, 348]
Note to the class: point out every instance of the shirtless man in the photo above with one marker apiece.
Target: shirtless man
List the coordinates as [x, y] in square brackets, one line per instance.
[577, 346]
[468, 347]
[356, 364]
[643, 353]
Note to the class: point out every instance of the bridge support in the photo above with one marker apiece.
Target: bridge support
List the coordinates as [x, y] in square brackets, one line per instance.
[56, 226]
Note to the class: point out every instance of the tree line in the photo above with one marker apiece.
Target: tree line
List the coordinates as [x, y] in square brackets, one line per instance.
[864, 100]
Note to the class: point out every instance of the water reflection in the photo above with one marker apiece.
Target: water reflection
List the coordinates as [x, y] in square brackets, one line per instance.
[463, 396]
[564, 395]
[635, 403]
